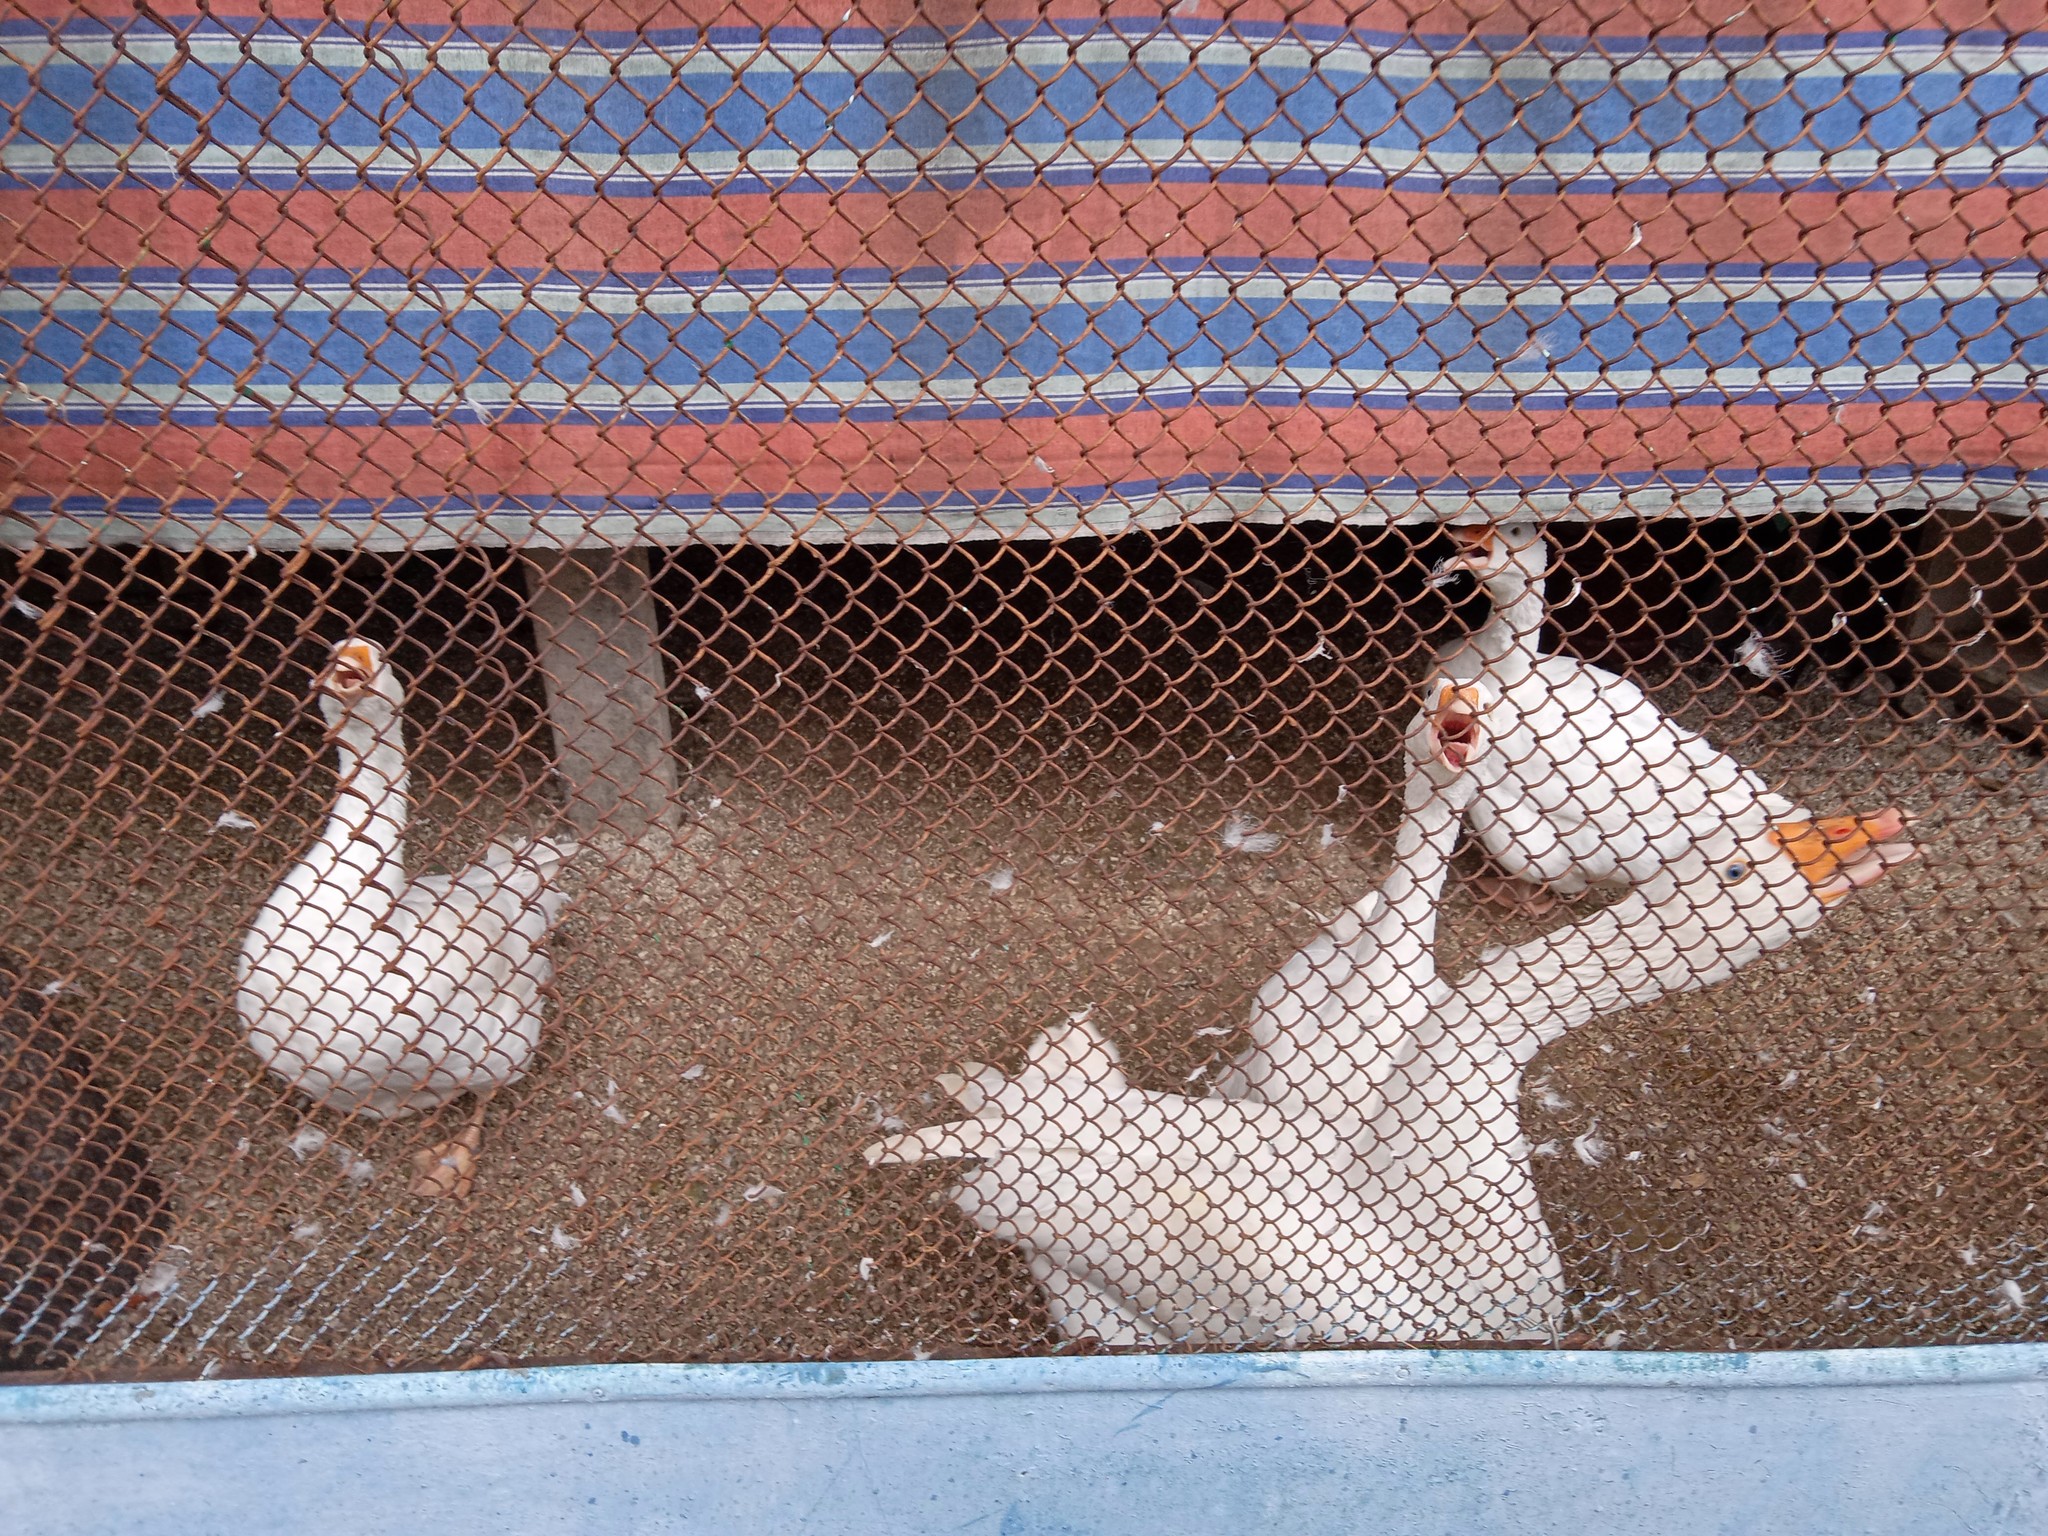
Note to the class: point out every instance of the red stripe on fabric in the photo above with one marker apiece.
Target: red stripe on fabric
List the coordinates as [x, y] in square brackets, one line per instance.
[742, 459]
[1675, 20]
[356, 230]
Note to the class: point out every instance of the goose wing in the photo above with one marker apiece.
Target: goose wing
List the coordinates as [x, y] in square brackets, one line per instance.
[1624, 729]
[474, 951]
[1297, 992]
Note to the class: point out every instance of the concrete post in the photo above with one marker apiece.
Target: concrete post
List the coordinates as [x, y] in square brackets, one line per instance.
[594, 620]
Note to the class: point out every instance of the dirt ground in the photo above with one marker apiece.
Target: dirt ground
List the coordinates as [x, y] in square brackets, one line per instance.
[1842, 1145]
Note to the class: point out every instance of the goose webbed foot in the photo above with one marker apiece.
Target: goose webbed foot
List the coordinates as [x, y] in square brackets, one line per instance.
[447, 1170]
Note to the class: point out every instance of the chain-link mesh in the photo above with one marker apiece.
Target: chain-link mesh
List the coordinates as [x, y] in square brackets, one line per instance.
[716, 686]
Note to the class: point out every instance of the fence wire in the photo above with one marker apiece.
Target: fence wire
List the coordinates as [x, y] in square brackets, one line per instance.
[1047, 679]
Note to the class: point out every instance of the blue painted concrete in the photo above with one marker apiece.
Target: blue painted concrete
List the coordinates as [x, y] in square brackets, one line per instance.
[1867, 1441]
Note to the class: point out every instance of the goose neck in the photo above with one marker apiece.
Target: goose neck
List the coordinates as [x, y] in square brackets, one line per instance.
[1513, 635]
[371, 803]
[1413, 891]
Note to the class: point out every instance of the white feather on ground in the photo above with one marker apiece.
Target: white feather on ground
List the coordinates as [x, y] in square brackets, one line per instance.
[305, 1141]
[1590, 1147]
[1241, 834]
[1760, 657]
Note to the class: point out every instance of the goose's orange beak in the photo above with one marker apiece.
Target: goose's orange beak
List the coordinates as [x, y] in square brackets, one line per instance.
[1475, 549]
[349, 670]
[1455, 729]
[1837, 854]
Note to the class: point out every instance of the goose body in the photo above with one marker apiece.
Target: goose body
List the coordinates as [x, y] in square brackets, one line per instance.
[377, 995]
[1368, 980]
[1152, 1217]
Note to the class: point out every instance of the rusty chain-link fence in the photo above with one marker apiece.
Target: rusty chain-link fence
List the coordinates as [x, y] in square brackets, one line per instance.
[1422, 625]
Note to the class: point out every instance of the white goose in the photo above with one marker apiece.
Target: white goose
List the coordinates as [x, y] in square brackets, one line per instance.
[1450, 1117]
[1154, 1218]
[375, 995]
[1590, 782]
[1389, 1082]
[1441, 1162]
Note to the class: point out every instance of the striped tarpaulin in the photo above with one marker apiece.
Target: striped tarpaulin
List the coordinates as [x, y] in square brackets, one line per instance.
[402, 275]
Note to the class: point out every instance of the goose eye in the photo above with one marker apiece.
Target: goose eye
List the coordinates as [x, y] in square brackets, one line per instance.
[1735, 873]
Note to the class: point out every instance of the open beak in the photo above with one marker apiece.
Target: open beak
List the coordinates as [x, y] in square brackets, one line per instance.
[1838, 854]
[348, 671]
[1475, 549]
[1455, 731]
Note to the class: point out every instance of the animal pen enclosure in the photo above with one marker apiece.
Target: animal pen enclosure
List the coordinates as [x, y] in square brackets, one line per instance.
[956, 510]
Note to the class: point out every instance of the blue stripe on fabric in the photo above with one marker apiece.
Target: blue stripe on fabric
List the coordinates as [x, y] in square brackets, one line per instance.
[1619, 274]
[298, 349]
[754, 121]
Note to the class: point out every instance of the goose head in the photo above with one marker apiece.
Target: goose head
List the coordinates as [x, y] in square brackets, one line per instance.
[1744, 889]
[1507, 559]
[357, 682]
[1453, 729]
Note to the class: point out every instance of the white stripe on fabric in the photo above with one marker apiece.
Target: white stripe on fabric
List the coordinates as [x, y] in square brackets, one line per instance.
[1159, 50]
[1507, 386]
[1038, 290]
[1105, 513]
[1151, 156]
